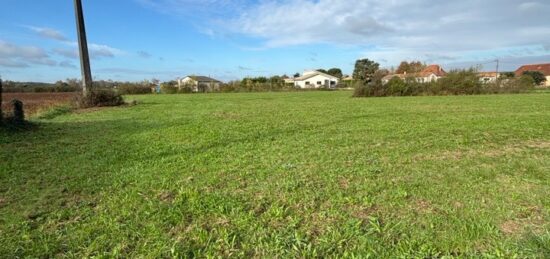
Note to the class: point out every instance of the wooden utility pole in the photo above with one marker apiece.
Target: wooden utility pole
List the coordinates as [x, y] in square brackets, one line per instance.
[83, 49]
[496, 76]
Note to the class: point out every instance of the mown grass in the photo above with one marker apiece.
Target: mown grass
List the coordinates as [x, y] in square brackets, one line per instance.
[311, 174]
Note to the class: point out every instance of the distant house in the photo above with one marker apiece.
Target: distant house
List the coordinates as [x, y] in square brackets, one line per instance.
[316, 79]
[431, 73]
[200, 83]
[543, 68]
[488, 77]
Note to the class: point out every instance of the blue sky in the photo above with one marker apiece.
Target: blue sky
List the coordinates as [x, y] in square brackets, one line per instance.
[229, 39]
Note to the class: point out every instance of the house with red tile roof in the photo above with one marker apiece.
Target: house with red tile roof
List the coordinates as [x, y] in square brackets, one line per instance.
[431, 73]
[543, 68]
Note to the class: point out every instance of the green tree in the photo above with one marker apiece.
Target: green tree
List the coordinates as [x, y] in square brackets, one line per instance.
[322, 70]
[412, 67]
[507, 75]
[537, 76]
[364, 70]
[335, 72]
[296, 75]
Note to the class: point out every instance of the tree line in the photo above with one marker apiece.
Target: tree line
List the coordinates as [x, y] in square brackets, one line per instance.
[368, 81]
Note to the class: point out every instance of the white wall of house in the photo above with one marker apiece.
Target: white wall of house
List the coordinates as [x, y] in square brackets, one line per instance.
[488, 79]
[427, 79]
[318, 81]
[210, 85]
[547, 83]
[187, 81]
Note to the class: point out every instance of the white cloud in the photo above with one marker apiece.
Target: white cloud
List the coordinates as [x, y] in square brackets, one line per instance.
[96, 51]
[48, 33]
[429, 30]
[389, 29]
[12, 55]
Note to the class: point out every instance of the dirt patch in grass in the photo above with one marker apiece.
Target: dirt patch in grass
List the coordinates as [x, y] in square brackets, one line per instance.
[423, 206]
[3, 202]
[362, 212]
[530, 218]
[343, 183]
[510, 227]
[167, 196]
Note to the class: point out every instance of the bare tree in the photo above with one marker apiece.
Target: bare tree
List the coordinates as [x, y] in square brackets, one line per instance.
[83, 49]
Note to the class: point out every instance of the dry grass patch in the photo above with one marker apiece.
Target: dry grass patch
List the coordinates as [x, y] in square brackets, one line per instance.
[491, 152]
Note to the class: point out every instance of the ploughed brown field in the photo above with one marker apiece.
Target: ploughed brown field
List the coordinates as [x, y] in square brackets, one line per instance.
[36, 102]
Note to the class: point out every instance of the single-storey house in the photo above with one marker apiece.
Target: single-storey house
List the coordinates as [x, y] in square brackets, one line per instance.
[431, 73]
[488, 77]
[200, 83]
[543, 68]
[316, 79]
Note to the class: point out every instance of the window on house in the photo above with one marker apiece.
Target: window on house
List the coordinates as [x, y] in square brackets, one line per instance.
[319, 82]
[332, 82]
[307, 82]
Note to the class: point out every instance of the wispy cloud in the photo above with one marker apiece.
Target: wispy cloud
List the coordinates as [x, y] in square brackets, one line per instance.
[144, 54]
[96, 51]
[48, 33]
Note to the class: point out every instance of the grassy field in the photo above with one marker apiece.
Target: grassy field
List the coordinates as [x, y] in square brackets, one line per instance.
[311, 174]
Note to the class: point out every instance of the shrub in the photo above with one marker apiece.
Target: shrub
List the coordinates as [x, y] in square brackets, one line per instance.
[100, 98]
[457, 82]
[396, 87]
[168, 89]
[185, 89]
[461, 82]
[128, 88]
[517, 85]
[537, 76]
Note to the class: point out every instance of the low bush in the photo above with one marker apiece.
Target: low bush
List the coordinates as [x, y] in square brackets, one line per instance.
[457, 82]
[128, 88]
[168, 89]
[100, 98]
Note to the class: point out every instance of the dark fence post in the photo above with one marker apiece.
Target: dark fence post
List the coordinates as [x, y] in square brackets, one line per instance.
[18, 113]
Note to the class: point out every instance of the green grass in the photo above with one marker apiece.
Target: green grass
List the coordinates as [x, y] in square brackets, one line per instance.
[311, 174]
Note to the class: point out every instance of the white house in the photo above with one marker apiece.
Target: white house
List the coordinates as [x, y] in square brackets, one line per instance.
[488, 77]
[199, 83]
[316, 79]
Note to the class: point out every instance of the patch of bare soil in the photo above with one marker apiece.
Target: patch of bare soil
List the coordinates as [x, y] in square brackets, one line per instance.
[510, 227]
[423, 206]
[529, 219]
[166, 196]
